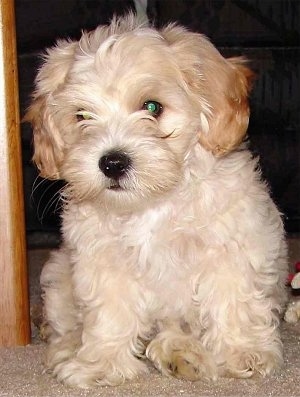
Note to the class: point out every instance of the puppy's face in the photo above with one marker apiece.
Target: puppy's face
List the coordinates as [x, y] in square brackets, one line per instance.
[118, 114]
[125, 119]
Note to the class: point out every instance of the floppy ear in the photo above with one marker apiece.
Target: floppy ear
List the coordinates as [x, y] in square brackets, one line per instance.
[229, 117]
[48, 142]
[219, 87]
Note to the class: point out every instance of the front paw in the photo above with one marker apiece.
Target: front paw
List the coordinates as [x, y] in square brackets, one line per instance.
[248, 364]
[75, 373]
[79, 373]
[183, 358]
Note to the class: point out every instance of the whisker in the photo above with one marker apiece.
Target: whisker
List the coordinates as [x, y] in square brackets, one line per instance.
[60, 200]
[40, 201]
[56, 197]
[35, 186]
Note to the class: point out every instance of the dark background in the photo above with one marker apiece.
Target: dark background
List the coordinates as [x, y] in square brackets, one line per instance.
[267, 32]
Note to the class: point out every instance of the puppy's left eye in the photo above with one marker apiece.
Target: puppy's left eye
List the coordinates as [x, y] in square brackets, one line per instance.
[83, 115]
[153, 107]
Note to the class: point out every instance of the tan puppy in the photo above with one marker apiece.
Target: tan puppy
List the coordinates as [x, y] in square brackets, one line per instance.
[172, 246]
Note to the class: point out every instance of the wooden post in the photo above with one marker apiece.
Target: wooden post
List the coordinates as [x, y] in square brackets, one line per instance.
[14, 307]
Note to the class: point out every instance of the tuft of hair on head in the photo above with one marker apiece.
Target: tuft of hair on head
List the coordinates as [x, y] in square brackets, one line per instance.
[90, 41]
[127, 23]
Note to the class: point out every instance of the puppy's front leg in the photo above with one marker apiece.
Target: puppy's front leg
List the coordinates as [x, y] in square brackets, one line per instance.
[110, 345]
[175, 353]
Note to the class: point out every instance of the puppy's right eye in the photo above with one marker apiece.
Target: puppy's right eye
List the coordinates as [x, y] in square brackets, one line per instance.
[82, 115]
[153, 107]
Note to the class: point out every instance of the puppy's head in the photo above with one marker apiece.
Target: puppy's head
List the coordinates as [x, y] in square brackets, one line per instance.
[118, 113]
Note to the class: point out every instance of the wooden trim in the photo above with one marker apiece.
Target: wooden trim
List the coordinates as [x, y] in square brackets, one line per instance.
[14, 306]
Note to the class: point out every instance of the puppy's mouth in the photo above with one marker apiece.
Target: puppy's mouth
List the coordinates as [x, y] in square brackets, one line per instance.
[115, 186]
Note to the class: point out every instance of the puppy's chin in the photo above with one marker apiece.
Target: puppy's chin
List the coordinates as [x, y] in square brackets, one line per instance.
[122, 201]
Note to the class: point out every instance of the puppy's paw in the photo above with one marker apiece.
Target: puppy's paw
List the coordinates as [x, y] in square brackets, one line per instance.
[190, 366]
[79, 373]
[246, 365]
[182, 357]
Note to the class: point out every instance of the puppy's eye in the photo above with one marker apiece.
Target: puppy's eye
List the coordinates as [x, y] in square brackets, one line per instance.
[153, 107]
[83, 115]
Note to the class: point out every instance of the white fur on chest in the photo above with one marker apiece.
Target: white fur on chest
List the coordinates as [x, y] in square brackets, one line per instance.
[137, 249]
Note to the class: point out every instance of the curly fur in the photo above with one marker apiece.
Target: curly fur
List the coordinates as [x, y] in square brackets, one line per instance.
[185, 261]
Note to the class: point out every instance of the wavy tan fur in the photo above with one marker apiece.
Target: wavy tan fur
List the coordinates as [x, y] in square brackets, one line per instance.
[181, 260]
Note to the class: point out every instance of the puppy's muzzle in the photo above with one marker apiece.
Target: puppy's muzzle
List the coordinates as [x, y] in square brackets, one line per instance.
[114, 164]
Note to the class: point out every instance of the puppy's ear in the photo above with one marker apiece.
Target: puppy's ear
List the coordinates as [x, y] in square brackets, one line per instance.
[228, 118]
[219, 86]
[48, 142]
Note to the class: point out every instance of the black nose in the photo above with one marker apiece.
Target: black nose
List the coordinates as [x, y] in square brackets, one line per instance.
[114, 164]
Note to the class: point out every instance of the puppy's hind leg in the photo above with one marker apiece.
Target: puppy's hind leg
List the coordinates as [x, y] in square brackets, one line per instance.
[59, 307]
[176, 353]
[242, 327]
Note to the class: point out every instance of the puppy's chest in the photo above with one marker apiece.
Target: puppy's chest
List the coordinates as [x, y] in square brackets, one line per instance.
[151, 257]
[146, 247]
[149, 252]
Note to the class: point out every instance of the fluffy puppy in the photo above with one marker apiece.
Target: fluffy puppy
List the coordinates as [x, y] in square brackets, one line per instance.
[173, 250]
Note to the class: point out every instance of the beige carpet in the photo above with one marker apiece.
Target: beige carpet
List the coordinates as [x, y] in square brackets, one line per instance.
[21, 375]
[21, 370]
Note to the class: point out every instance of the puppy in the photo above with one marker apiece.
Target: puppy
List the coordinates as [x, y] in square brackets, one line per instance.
[172, 248]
